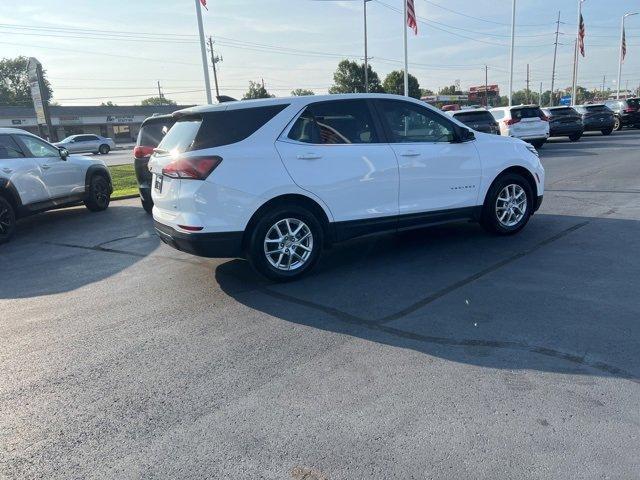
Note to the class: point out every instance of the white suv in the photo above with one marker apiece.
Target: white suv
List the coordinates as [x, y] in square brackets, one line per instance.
[276, 180]
[36, 176]
[526, 122]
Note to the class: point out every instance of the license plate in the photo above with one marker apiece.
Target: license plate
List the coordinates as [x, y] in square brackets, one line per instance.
[158, 183]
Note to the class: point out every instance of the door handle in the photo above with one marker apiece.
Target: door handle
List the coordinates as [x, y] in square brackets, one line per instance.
[46, 167]
[410, 153]
[309, 156]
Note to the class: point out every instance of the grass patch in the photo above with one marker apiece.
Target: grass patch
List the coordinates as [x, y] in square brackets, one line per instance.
[124, 181]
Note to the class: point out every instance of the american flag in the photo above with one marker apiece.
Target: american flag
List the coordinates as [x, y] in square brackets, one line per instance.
[581, 33]
[624, 45]
[411, 17]
[204, 4]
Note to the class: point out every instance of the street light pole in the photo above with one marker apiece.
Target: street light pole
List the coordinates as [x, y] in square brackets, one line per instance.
[555, 55]
[574, 96]
[621, 40]
[513, 38]
[366, 55]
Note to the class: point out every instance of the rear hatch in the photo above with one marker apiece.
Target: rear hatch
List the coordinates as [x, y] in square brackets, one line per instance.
[564, 116]
[479, 120]
[528, 122]
[595, 113]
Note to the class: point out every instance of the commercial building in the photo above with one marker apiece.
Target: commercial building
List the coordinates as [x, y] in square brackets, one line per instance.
[118, 122]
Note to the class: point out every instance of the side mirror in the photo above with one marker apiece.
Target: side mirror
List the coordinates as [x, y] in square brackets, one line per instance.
[64, 153]
[465, 135]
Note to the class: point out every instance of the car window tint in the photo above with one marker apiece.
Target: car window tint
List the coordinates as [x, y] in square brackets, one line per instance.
[412, 123]
[9, 148]
[633, 102]
[497, 114]
[557, 112]
[526, 112]
[474, 117]
[596, 108]
[151, 134]
[305, 129]
[344, 122]
[39, 148]
[181, 136]
[231, 126]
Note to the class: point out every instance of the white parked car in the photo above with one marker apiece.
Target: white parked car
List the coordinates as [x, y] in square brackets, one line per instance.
[526, 122]
[36, 176]
[86, 143]
[276, 180]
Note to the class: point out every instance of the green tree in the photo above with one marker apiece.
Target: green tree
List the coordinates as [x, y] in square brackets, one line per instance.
[349, 78]
[14, 83]
[157, 101]
[425, 92]
[394, 83]
[256, 90]
[108, 104]
[300, 92]
[451, 90]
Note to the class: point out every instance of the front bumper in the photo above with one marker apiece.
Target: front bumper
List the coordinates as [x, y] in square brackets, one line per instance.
[212, 245]
[536, 207]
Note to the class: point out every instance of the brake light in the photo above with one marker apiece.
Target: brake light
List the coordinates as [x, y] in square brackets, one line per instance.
[141, 151]
[192, 168]
[511, 121]
[629, 110]
[544, 118]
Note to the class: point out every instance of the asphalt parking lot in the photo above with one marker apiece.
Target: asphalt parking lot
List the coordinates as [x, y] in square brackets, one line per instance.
[440, 353]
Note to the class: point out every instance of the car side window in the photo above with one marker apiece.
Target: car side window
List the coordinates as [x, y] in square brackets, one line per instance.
[9, 148]
[411, 123]
[39, 148]
[340, 122]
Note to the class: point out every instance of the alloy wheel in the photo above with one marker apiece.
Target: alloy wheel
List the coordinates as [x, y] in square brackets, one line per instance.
[288, 244]
[100, 192]
[511, 205]
[5, 220]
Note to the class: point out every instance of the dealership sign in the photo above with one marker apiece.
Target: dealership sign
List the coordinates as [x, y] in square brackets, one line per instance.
[34, 73]
[120, 119]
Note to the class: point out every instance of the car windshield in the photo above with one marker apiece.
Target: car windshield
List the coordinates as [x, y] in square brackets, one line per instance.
[479, 116]
[68, 139]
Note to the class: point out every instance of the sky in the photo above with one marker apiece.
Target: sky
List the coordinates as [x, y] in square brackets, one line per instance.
[95, 50]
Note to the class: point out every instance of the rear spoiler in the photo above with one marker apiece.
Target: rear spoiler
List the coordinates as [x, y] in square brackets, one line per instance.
[225, 98]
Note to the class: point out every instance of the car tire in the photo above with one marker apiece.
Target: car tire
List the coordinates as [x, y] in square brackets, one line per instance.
[148, 206]
[7, 220]
[617, 124]
[293, 235]
[104, 149]
[607, 131]
[505, 195]
[99, 195]
[575, 137]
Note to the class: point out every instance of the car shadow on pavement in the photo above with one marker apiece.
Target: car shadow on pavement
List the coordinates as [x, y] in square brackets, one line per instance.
[559, 297]
[62, 250]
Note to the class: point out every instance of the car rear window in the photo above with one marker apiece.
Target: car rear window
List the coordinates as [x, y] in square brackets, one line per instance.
[526, 112]
[596, 108]
[152, 133]
[497, 114]
[557, 112]
[215, 129]
[480, 116]
[633, 102]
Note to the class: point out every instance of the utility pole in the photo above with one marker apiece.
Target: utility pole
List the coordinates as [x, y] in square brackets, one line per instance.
[159, 91]
[604, 77]
[486, 81]
[513, 39]
[540, 96]
[555, 55]
[366, 55]
[528, 84]
[203, 52]
[406, 53]
[214, 59]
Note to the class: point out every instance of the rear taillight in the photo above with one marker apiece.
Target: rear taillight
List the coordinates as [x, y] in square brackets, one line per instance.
[141, 151]
[629, 110]
[193, 168]
[511, 121]
[544, 118]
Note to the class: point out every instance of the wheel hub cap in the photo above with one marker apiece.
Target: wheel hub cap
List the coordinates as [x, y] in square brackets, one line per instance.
[511, 205]
[288, 244]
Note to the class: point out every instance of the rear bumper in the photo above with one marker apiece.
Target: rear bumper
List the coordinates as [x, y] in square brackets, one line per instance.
[561, 130]
[596, 125]
[212, 245]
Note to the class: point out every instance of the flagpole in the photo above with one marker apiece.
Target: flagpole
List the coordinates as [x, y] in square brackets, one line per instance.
[513, 37]
[622, 40]
[406, 55]
[574, 96]
[203, 50]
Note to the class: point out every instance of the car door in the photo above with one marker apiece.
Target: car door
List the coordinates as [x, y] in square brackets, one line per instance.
[92, 143]
[436, 171]
[62, 178]
[334, 150]
[22, 171]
